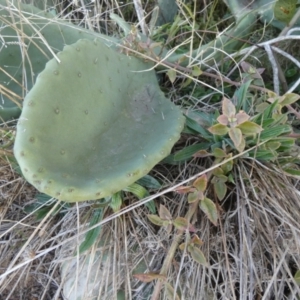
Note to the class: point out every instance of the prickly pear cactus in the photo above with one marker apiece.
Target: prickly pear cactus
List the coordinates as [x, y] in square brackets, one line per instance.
[277, 13]
[94, 123]
[29, 38]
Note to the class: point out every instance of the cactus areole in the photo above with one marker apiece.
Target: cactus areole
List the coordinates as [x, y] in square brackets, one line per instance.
[94, 123]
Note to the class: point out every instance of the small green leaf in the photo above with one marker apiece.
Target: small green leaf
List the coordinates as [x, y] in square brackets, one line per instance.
[183, 224]
[242, 117]
[291, 72]
[218, 171]
[196, 71]
[210, 210]
[249, 128]
[151, 206]
[164, 213]
[261, 107]
[247, 68]
[92, 235]
[252, 71]
[297, 277]
[116, 202]
[228, 109]
[171, 73]
[201, 183]
[137, 190]
[220, 189]
[223, 119]
[168, 226]
[218, 129]
[230, 178]
[289, 98]
[193, 197]
[14, 165]
[156, 220]
[221, 178]
[197, 255]
[196, 240]
[237, 138]
[273, 145]
[227, 167]
[219, 153]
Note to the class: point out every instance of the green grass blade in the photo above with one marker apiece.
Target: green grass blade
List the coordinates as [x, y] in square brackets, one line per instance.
[92, 235]
[275, 131]
[149, 182]
[188, 152]
[195, 126]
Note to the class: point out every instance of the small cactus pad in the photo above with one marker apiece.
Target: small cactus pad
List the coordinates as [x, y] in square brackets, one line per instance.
[30, 38]
[94, 123]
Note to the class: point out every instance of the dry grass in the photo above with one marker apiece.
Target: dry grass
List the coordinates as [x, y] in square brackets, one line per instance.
[253, 253]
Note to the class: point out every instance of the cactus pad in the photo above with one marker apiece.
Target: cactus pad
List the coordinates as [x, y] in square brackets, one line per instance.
[94, 123]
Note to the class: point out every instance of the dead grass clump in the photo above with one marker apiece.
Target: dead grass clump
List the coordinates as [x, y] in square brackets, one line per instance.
[22, 276]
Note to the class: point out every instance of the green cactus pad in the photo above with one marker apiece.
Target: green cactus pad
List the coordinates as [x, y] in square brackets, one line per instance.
[30, 38]
[94, 123]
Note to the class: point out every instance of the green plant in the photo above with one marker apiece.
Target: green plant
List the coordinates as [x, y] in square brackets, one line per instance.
[234, 124]
[278, 13]
[265, 135]
[99, 137]
[238, 131]
[197, 198]
[52, 100]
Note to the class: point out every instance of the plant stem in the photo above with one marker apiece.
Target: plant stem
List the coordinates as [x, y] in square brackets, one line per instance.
[172, 250]
[168, 260]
